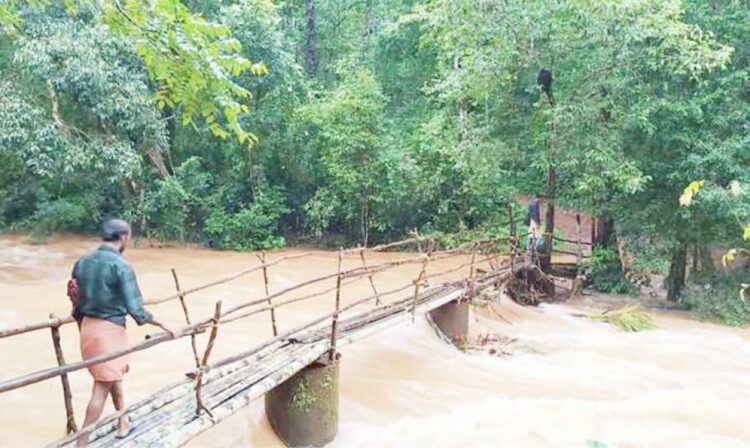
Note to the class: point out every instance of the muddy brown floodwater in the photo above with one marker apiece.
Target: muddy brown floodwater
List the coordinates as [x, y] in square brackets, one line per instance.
[568, 381]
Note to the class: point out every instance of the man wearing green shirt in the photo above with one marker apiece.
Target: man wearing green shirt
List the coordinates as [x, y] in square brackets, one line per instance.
[105, 290]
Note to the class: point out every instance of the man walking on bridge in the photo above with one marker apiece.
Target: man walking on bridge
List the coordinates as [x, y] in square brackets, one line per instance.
[105, 290]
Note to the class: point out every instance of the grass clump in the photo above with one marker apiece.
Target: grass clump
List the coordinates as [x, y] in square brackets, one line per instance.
[627, 318]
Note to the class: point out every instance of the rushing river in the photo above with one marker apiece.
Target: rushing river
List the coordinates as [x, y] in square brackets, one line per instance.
[567, 381]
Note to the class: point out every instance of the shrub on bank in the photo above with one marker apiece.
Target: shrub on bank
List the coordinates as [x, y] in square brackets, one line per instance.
[718, 297]
[255, 226]
[604, 273]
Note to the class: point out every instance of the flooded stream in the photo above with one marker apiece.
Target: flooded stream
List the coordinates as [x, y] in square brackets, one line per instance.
[567, 382]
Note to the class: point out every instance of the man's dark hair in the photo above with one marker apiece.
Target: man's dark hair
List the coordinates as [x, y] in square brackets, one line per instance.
[114, 229]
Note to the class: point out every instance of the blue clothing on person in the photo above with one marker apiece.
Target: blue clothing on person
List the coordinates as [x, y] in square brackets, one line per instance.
[539, 243]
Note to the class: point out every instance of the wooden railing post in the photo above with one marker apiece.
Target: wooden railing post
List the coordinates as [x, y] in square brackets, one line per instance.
[334, 323]
[417, 284]
[579, 259]
[262, 258]
[199, 378]
[70, 425]
[430, 251]
[369, 277]
[513, 240]
[187, 317]
[473, 258]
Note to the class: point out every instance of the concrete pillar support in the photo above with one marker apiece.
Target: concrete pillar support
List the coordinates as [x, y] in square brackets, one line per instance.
[452, 319]
[304, 410]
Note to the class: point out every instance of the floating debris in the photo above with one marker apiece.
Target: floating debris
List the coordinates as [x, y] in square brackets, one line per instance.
[627, 318]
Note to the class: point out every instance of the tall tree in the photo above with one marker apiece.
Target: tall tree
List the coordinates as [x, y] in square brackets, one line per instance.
[311, 45]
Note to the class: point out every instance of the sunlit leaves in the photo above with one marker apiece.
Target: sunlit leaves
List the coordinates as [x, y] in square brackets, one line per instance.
[193, 60]
[690, 191]
[735, 188]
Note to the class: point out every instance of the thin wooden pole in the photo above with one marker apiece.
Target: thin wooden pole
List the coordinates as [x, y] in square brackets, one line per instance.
[70, 425]
[199, 378]
[262, 258]
[473, 257]
[417, 283]
[369, 276]
[513, 240]
[430, 251]
[578, 238]
[593, 231]
[214, 332]
[334, 324]
[187, 317]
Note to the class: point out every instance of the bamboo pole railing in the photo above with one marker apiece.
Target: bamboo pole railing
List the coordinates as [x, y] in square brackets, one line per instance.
[193, 343]
[369, 276]
[343, 277]
[579, 242]
[4, 333]
[262, 258]
[200, 407]
[58, 321]
[388, 309]
[337, 310]
[287, 335]
[199, 327]
[566, 240]
[70, 424]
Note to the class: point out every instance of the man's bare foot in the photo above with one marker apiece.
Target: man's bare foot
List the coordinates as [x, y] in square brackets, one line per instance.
[123, 426]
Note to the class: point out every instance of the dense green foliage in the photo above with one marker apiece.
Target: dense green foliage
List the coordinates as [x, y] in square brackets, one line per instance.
[239, 123]
[718, 297]
[604, 274]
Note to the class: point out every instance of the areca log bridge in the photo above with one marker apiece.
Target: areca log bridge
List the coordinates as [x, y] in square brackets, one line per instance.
[215, 390]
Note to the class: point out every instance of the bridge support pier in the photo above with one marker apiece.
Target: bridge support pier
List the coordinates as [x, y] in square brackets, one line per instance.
[304, 410]
[452, 319]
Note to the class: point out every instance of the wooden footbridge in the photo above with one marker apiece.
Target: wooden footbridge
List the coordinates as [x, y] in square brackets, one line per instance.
[216, 389]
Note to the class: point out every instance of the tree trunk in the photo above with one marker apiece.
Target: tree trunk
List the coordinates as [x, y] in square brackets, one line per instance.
[158, 161]
[365, 217]
[593, 230]
[706, 263]
[606, 237]
[368, 20]
[461, 105]
[545, 262]
[311, 52]
[170, 117]
[676, 278]
[605, 230]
